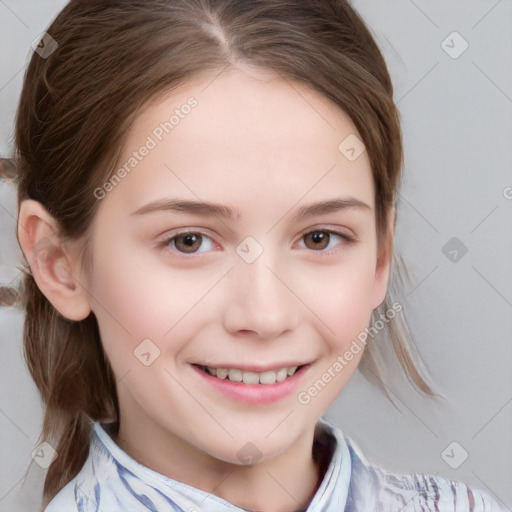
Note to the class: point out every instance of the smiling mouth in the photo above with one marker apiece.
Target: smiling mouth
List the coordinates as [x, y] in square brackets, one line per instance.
[247, 377]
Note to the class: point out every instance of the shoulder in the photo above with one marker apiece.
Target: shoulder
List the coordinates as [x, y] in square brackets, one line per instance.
[386, 491]
[81, 492]
[64, 501]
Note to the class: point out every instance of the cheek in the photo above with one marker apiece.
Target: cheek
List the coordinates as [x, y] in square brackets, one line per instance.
[124, 303]
[342, 298]
[139, 298]
[342, 308]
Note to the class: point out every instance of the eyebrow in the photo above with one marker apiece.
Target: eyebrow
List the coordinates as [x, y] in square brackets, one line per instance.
[204, 209]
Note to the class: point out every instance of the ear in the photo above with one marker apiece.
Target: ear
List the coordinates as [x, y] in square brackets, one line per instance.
[54, 264]
[384, 259]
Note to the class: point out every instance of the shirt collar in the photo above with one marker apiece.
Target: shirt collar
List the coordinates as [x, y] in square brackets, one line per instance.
[129, 483]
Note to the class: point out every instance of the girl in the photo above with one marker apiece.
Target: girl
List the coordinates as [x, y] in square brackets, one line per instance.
[206, 207]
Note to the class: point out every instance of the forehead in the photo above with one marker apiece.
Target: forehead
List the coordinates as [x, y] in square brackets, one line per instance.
[248, 132]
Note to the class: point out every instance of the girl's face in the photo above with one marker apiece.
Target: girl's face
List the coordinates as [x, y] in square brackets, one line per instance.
[240, 235]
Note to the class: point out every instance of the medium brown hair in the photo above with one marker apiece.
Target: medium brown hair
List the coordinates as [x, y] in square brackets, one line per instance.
[76, 108]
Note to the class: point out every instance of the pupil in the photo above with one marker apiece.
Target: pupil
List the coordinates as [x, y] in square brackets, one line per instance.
[318, 237]
[190, 240]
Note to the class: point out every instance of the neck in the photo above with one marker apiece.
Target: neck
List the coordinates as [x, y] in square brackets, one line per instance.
[285, 483]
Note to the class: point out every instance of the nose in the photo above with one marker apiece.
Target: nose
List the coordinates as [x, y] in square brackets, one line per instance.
[260, 300]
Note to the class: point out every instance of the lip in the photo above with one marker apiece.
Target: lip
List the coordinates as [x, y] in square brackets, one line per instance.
[254, 394]
[253, 367]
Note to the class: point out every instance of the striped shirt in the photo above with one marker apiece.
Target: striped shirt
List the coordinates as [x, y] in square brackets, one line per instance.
[111, 481]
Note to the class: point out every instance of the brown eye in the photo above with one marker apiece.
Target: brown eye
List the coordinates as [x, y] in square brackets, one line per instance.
[323, 240]
[317, 240]
[188, 242]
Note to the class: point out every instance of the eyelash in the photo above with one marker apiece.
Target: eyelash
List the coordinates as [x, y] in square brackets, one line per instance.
[169, 241]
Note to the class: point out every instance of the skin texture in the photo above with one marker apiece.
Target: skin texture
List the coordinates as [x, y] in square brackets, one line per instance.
[265, 146]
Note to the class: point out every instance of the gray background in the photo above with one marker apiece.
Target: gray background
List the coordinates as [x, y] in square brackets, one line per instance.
[457, 123]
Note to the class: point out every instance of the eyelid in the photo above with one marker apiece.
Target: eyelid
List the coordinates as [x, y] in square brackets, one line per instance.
[329, 228]
[183, 231]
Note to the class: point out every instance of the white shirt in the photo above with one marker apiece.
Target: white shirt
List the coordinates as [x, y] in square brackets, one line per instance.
[111, 481]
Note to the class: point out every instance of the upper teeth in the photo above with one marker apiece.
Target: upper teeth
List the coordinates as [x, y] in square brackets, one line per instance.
[236, 375]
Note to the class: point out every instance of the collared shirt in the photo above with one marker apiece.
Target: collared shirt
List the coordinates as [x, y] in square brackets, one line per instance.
[111, 481]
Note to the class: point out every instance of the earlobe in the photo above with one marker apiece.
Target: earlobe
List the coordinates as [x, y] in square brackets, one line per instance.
[54, 264]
